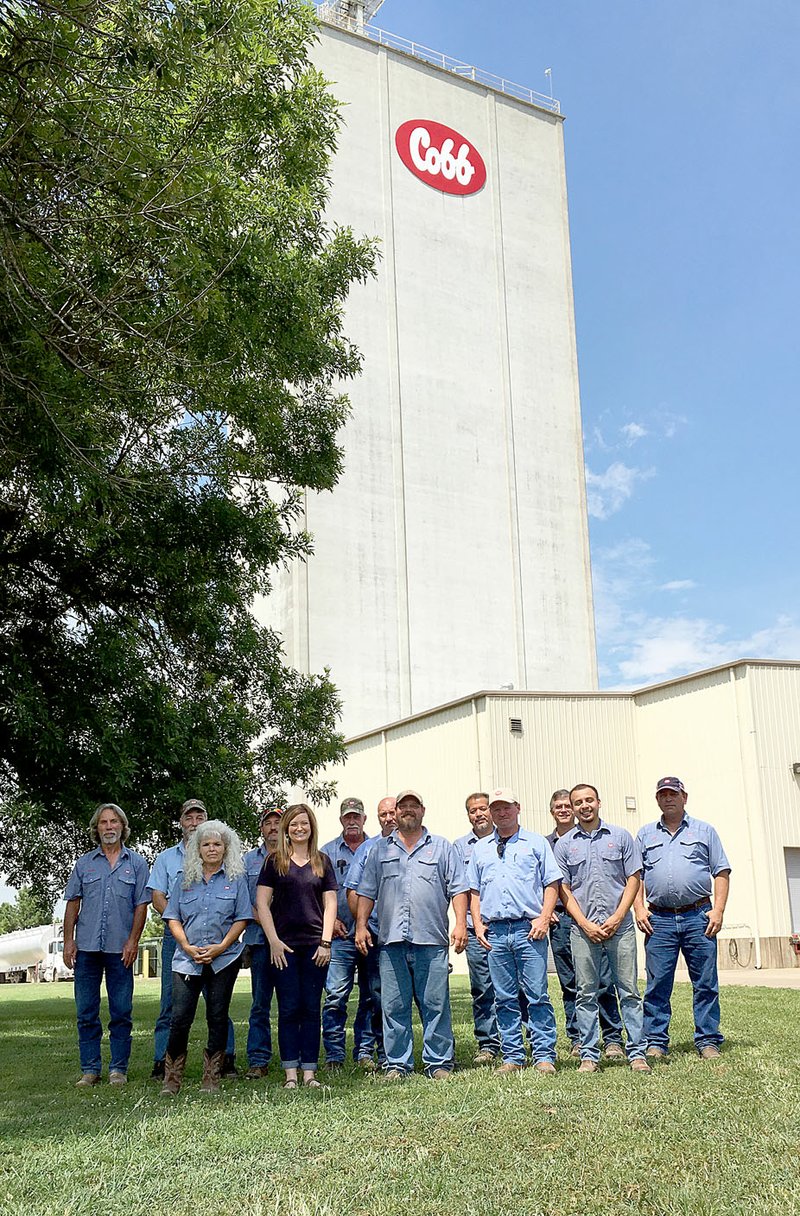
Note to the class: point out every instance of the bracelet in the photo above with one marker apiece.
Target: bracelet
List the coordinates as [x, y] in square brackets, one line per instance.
[325, 945]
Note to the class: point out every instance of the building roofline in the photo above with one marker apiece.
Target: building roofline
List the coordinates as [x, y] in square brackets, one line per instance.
[611, 694]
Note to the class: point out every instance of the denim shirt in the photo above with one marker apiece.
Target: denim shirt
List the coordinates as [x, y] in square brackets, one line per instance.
[511, 887]
[168, 863]
[464, 846]
[253, 862]
[678, 868]
[109, 898]
[596, 868]
[341, 857]
[207, 909]
[353, 877]
[412, 891]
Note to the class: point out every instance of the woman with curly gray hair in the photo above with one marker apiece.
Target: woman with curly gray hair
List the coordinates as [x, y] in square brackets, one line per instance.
[207, 909]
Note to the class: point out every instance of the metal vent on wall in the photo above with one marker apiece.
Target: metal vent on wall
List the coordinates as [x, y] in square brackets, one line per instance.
[515, 726]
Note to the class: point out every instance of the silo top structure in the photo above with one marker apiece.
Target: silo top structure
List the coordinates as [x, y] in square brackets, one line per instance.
[453, 554]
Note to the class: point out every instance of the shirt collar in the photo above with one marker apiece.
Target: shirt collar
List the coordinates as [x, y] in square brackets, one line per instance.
[684, 823]
[601, 827]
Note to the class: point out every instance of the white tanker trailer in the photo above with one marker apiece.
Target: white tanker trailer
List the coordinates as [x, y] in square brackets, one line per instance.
[33, 954]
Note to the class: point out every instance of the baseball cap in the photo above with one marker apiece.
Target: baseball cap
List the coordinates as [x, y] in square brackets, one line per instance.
[503, 795]
[409, 794]
[671, 783]
[352, 804]
[193, 804]
[270, 810]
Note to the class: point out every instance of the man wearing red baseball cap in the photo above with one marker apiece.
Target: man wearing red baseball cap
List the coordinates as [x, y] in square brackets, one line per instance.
[682, 860]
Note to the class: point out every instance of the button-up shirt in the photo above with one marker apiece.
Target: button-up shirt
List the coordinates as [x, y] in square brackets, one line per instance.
[109, 897]
[678, 867]
[596, 868]
[207, 909]
[464, 846]
[552, 839]
[511, 887]
[168, 863]
[341, 858]
[253, 862]
[353, 876]
[412, 891]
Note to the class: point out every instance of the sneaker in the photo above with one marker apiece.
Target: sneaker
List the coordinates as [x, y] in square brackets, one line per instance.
[507, 1068]
[588, 1066]
[614, 1051]
[117, 1078]
[393, 1074]
[639, 1064]
[440, 1074]
[710, 1052]
[87, 1079]
[484, 1056]
[544, 1066]
[366, 1064]
[656, 1053]
[256, 1072]
[158, 1071]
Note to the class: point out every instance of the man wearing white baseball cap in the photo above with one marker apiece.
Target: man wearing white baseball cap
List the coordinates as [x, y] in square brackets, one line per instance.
[514, 882]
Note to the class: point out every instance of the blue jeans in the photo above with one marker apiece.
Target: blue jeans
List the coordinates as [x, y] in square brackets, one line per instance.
[90, 967]
[164, 1019]
[515, 964]
[610, 1021]
[217, 989]
[347, 963]
[262, 984]
[418, 973]
[484, 1017]
[672, 935]
[298, 987]
[620, 951]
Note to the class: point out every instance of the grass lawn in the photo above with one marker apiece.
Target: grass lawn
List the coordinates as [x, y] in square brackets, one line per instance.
[692, 1139]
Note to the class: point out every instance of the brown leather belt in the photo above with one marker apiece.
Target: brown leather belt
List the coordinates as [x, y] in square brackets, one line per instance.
[705, 902]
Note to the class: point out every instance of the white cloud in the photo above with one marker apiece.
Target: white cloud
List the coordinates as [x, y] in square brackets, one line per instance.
[608, 492]
[678, 584]
[666, 647]
[633, 431]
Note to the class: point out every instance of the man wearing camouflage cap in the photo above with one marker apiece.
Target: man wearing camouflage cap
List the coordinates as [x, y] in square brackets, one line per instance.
[346, 962]
[683, 864]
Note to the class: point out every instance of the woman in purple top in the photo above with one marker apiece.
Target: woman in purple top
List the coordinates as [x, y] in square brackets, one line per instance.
[296, 904]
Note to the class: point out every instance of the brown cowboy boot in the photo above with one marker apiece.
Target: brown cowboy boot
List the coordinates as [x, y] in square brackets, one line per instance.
[173, 1075]
[212, 1070]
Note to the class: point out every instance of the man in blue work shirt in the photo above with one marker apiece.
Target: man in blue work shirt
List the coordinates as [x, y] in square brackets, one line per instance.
[167, 865]
[262, 973]
[107, 902]
[514, 881]
[484, 1016]
[387, 812]
[346, 962]
[681, 857]
[601, 865]
[560, 933]
[410, 878]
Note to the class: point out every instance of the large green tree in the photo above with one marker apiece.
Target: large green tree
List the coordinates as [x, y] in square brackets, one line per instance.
[171, 347]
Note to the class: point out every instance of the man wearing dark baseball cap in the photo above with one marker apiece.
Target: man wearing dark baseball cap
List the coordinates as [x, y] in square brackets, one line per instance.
[683, 859]
[346, 963]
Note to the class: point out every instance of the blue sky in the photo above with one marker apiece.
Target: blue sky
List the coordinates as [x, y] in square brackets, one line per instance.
[682, 135]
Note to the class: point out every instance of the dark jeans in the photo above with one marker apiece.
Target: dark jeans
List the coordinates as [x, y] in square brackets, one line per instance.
[298, 987]
[217, 987]
[262, 983]
[347, 963]
[164, 1020]
[90, 967]
[608, 1006]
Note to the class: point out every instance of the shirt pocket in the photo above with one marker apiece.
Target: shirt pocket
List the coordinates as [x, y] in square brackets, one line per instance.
[612, 854]
[390, 869]
[429, 870]
[694, 849]
[651, 854]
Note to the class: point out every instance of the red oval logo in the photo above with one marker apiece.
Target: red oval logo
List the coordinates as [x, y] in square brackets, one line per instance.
[440, 157]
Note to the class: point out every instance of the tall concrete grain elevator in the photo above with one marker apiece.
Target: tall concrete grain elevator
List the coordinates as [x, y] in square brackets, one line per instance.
[454, 553]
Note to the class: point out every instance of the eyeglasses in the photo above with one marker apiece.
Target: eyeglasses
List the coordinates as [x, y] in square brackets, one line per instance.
[501, 847]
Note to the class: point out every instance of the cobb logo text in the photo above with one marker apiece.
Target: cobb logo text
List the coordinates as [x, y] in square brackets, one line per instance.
[440, 157]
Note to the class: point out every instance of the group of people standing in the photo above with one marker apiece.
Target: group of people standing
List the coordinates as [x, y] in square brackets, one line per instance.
[310, 922]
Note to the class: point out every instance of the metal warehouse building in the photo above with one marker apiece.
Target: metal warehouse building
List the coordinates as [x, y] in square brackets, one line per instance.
[731, 733]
